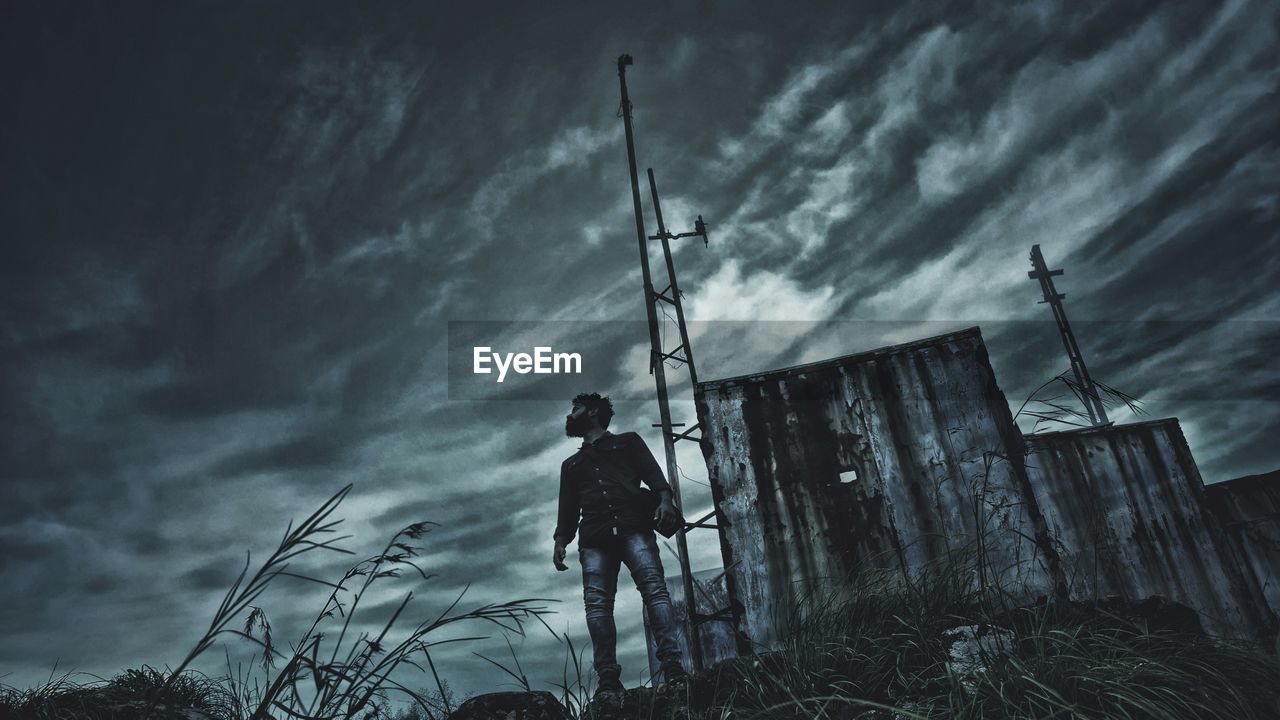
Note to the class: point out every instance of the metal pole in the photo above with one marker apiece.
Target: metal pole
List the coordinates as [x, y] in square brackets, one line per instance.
[656, 366]
[1092, 401]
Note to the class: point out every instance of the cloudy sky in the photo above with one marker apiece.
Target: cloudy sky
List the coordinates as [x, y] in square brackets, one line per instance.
[235, 237]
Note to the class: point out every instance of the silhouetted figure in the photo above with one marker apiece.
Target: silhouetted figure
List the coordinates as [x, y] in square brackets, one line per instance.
[601, 485]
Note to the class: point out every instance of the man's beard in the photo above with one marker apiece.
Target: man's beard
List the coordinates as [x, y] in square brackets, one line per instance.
[576, 427]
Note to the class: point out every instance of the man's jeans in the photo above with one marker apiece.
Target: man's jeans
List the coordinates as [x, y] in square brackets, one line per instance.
[599, 585]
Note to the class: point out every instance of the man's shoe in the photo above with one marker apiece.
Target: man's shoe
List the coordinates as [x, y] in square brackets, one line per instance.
[608, 687]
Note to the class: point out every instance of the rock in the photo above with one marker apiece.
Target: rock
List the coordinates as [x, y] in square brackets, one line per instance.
[971, 647]
[641, 702]
[538, 705]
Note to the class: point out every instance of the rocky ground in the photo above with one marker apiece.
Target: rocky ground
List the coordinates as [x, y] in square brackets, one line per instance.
[661, 703]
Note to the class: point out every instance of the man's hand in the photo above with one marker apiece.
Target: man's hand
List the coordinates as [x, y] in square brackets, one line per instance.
[557, 557]
[666, 514]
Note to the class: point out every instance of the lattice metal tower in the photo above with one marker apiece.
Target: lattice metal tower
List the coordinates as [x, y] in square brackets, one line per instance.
[658, 357]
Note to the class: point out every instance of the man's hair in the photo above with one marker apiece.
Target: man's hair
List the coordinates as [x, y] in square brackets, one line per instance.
[599, 403]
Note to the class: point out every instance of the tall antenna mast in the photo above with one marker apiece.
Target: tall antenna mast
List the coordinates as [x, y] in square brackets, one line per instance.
[657, 363]
[1088, 390]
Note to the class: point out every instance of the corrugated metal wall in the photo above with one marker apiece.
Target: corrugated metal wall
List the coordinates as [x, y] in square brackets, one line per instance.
[1126, 506]
[889, 458]
[892, 458]
[1249, 510]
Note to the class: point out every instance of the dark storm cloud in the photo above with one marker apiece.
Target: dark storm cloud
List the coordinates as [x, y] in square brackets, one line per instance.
[235, 237]
[313, 451]
[208, 578]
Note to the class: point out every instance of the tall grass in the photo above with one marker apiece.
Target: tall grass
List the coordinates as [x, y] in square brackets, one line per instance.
[1052, 410]
[341, 677]
[330, 672]
[124, 696]
[937, 645]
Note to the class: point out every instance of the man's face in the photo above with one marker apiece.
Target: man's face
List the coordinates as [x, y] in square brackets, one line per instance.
[577, 422]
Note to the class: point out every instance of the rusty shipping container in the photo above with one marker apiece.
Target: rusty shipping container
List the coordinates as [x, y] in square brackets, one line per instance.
[1126, 508]
[895, 457]
[889, 458]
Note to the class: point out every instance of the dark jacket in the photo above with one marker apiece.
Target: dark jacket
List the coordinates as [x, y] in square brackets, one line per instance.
[601, 483]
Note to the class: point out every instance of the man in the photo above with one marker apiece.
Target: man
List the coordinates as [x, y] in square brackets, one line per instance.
[601, 482]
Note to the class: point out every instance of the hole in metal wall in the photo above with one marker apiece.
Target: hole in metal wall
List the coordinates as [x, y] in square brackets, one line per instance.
[848, 477]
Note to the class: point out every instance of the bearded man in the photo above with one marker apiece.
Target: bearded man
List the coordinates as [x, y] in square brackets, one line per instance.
[602, 501]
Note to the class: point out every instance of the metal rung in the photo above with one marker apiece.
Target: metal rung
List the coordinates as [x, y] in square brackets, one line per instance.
[702, 523]
[685, 435]
[672, 355]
